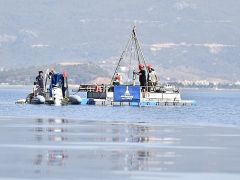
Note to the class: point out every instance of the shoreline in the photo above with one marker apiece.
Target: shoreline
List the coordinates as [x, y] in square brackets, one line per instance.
[72, 86]
[28, 86]
[209, 89]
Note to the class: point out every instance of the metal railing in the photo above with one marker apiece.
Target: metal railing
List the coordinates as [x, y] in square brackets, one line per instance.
[110, 88]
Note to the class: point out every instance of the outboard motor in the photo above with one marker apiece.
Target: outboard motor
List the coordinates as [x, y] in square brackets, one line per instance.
[57, 89]
[57, 95]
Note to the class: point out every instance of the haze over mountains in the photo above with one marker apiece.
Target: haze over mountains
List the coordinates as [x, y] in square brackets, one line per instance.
[183, 39]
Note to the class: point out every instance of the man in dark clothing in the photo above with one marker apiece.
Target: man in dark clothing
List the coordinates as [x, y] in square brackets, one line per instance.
[142, 76]
[40, 79]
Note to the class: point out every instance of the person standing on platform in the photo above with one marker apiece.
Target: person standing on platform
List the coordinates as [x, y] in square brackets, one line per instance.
[142, 77]
[152, 78]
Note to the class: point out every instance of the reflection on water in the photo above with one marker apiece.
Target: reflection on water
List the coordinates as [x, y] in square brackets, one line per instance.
[55, 134]
[51, 128]
[63, 149]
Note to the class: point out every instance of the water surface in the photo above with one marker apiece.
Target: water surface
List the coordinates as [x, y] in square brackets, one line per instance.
[90, 142]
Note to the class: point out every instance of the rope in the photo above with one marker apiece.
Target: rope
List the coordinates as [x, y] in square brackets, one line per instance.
[139, 49]
[121, 58]
[129, 68]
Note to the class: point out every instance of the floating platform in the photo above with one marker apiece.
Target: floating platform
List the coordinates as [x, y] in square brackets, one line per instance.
[129, 95]
[99, 102]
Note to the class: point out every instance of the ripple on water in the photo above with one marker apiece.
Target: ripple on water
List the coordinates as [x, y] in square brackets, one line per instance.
[63, 148]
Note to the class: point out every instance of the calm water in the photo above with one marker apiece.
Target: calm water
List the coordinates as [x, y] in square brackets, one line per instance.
[90, 142]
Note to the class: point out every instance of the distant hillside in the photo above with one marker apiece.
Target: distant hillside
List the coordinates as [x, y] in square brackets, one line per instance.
[77, 73]
[184, 39]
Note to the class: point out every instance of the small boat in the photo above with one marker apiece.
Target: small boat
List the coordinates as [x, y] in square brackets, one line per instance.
[126, 91]
[55, 92]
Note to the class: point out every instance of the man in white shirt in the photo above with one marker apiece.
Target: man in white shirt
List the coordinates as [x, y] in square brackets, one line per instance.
[152, 78]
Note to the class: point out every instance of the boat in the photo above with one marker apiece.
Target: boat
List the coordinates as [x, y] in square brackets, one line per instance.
[125, 90]
[55, 91]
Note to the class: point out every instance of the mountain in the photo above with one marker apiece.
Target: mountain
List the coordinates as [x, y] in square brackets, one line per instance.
[183, 39]
[78, 73]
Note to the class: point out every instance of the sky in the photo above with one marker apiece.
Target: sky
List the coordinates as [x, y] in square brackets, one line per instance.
[197, 38]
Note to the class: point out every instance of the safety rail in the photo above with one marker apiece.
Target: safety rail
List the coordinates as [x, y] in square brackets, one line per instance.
[110, 88]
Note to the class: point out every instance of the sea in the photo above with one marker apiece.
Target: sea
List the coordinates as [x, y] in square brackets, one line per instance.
[104, 142]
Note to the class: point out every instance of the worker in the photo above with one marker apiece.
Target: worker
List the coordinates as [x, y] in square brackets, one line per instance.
[50, 76]
[98, 88]
[39, 80]
[117, 80]
[35, 89]
[152, 78]
[142, 76]
[51, 73]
